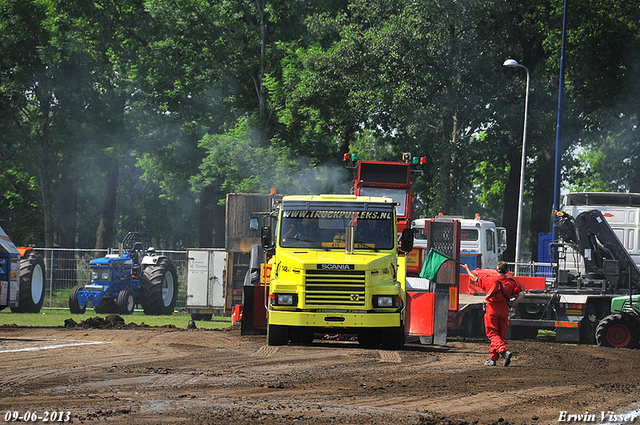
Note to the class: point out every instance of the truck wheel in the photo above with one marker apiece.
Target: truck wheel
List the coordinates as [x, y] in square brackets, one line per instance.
[159, 288]
[588, 326]
[126, 301]
[393, 338]
[74, 304]
[277, 335]
[617, 331]
[32, 280]
[202, 316]
[301, 335]
[524, 332]
[370, 337]
[473, 324]
[106, 306]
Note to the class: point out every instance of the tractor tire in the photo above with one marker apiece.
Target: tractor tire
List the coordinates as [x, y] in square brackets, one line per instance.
[106, 306]
[159, 288]
[74, 305]
[32, 282]
[277, 335]
[126, 301]
[617, 331]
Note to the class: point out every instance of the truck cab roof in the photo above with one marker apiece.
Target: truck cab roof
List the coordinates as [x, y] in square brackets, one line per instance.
[336, 197]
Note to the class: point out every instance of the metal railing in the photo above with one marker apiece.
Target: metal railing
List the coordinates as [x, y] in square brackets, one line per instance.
[532, 268]
[66, 268]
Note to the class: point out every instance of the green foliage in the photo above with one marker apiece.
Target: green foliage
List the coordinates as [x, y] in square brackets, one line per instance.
[200, 97]
[491, 178]
[237, 162]
[592, 170]
[20, 204]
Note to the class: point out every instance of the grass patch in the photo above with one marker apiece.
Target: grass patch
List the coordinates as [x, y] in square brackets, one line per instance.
[56, 317]
[546, 335]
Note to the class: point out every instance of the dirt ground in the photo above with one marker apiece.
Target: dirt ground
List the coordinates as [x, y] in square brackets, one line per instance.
[142, 375]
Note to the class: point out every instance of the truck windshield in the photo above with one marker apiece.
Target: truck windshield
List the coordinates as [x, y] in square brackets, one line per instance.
[313, 229]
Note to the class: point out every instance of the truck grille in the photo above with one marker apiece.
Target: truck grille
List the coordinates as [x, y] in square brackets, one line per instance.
[335, 288]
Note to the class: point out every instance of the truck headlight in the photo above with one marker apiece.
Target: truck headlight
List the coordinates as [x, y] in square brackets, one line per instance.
[284, 299]
[383, 301]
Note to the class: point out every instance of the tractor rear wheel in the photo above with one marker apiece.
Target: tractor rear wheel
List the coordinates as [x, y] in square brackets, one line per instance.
[126, 301]
[159, 288]
[74, 304]
[32, 281]
[617, 331]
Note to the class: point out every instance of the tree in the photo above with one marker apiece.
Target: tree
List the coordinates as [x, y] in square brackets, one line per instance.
[604, 81]
[410, 77]
[33, 68]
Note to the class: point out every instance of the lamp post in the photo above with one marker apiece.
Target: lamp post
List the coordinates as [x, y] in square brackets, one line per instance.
[558, 162]
[513, 64]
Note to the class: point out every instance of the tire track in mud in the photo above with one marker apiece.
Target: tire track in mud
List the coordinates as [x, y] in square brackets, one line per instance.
[464, 404]
[265, 351]
[390, 357]
[85, 358]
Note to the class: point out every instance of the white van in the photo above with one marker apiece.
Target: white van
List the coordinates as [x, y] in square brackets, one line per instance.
[621, 210]
[478, 238]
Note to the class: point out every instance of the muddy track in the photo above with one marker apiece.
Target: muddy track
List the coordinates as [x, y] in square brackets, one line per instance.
[176, 376]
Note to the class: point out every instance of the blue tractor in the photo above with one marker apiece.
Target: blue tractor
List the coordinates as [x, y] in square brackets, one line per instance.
[137, 275]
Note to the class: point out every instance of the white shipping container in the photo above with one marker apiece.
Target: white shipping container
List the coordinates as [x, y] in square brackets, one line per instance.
[205, 281]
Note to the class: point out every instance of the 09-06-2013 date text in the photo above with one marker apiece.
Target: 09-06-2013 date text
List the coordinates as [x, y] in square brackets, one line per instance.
[46, 416]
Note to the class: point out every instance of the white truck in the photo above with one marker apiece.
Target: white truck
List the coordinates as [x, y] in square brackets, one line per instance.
[596, 258]
[481, 241]
[205, 283]
[622, 212]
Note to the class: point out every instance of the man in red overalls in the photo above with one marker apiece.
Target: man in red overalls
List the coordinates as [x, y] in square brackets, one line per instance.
[499, 289]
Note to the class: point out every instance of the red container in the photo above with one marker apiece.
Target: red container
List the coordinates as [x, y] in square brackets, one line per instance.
[236, 313]
[419, 320]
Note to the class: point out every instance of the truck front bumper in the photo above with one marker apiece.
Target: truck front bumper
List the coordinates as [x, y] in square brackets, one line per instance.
[335, 320]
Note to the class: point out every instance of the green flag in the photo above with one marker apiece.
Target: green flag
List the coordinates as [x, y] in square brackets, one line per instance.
[435, 259]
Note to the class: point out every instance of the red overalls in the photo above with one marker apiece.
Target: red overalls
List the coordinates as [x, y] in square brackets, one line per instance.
[499, 290]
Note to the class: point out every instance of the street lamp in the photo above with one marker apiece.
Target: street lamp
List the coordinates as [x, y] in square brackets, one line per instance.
[513, 64]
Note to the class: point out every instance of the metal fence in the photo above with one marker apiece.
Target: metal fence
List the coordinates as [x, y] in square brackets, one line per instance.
[67, 268]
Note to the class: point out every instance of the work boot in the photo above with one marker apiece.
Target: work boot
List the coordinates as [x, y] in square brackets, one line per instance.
[506, 358]
[490, 363]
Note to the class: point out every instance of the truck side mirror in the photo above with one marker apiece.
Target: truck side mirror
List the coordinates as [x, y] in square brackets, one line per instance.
[406, 240]
[502, 239]
[266, 239]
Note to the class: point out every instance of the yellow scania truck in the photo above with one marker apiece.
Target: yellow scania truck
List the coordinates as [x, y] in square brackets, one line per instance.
[336, 268]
